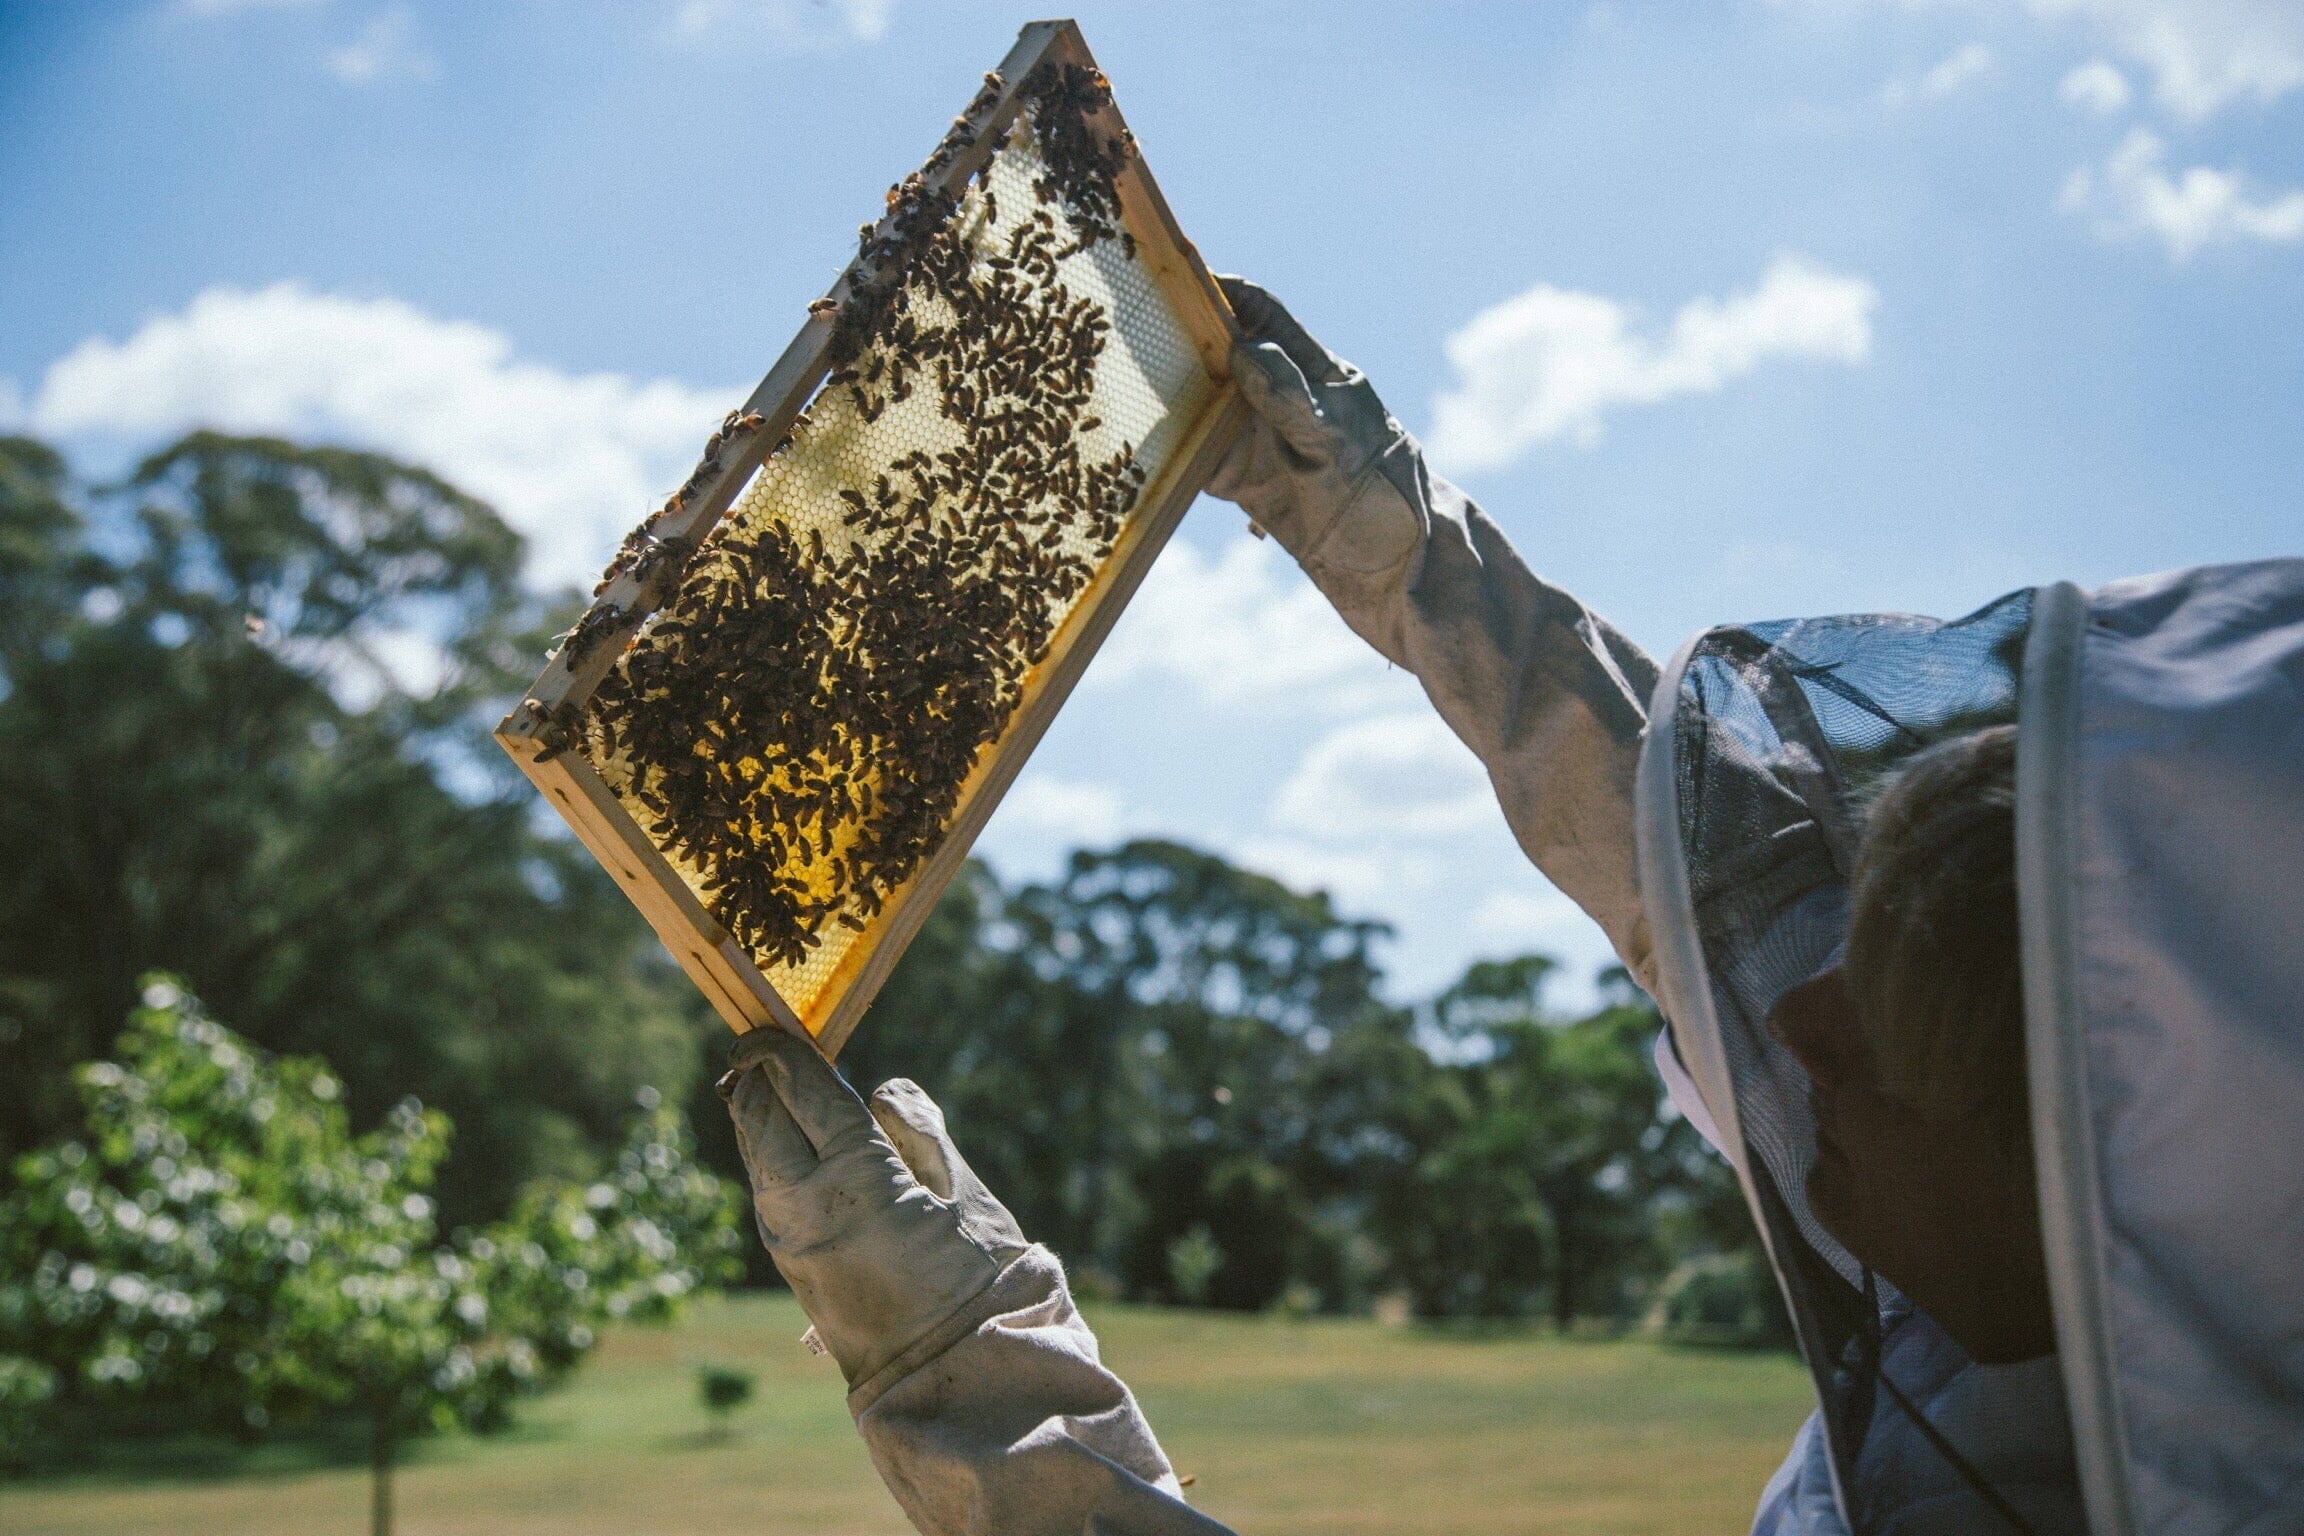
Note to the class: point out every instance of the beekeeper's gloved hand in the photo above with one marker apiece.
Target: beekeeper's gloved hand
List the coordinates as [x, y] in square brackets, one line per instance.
[1322, 467]
[977, 1388]
[872, 1216]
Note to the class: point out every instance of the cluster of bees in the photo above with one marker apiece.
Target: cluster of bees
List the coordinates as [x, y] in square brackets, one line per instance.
[797, 722]
[1083, 160]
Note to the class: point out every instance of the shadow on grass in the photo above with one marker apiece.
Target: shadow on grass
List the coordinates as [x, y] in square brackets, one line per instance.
[712, 1437]
[80, 1448]
[1683, 1341]
[1694, 1343]
[1506, 1330]
[85, 1447]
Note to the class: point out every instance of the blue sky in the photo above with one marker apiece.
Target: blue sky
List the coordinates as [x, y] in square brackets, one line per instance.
[1724, 310]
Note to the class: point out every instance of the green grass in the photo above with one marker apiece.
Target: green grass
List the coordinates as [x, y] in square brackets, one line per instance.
[1336, 1428]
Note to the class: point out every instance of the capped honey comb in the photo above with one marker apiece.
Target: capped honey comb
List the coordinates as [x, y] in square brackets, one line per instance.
[787, 714]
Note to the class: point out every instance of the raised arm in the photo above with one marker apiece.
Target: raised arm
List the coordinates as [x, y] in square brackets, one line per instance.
[1546, 693]
[977, 1386]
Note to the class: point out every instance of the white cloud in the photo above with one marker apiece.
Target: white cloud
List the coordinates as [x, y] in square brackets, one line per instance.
[2133, 194]
[1361, 879]
[378, 657]
[1388, 775]
[13, 416]
[793, 24]
[2097, 87]
[1549, 363]
[1081, 815]
[1045, 817]
[572, 460]
[1946, 76]
[1542, 920]
[2204, 55]
[388, 48]
[1244, 628]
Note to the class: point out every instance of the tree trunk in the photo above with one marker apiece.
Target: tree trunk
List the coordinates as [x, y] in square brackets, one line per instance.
[382, 1451]
[1564, 1275]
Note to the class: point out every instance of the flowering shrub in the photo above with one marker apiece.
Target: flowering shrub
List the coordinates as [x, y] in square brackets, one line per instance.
[218, 1243]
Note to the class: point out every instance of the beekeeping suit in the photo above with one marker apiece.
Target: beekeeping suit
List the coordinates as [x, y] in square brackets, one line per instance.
[1705, 816]
[2160, 845]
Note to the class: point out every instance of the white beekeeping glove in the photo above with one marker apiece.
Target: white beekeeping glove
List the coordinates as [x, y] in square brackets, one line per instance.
[975, 1384]
[1322, 467]
[870, 1213]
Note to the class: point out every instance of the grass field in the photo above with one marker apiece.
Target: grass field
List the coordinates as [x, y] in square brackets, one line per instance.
[1291, 1428]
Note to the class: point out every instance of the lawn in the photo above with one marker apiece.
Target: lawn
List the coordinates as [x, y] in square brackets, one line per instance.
[1336, 1428]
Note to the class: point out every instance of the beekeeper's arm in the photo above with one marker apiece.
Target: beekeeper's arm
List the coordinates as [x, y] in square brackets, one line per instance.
[1546, 693]
[973, 1380]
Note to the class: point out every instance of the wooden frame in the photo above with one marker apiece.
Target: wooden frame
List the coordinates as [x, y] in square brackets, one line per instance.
[703, 947]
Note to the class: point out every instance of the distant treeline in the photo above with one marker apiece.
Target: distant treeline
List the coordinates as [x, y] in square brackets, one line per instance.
[244, 695]
[1181, 1076]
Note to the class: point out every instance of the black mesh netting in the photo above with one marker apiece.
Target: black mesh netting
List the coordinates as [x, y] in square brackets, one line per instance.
[1781, 734]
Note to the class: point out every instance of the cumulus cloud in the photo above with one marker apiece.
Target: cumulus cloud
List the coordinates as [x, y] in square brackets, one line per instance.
[2134, 195]
[2203, 55]
[1387, 775]
[792, 24]
[572, 460]
[1943, 78]
[1046, 816]
[1551, 362]
[1358, 879]
[1080, 814]
[1241, 628]
[2097, 87]
[1529, 919]
[388, 48]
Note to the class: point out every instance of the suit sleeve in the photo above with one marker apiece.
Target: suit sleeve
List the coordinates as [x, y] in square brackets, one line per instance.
[1549, 696]
[1006, 1422]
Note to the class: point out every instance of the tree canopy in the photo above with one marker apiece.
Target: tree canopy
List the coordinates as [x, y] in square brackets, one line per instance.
[1184, 1077]
[242, 700]
[244, 695]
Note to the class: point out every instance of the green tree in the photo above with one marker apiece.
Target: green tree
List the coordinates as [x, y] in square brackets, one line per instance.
[1596, 1164]
[723, 1388]
[26, 1386]
[1149, 1044]
[1543, 1153]
[243, 700]
[1182, 1076]
[1463, 1221]
[218, 1242]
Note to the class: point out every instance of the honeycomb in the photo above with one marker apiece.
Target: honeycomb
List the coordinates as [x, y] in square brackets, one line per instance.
[798, 727]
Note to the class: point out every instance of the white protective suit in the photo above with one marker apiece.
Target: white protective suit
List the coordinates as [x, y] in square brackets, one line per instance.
[2163, 1044]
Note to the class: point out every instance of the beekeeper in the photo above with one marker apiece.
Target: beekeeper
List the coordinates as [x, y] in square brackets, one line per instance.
[1981, 943]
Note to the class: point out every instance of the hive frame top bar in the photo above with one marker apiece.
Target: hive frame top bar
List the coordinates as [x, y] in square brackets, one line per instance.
[536, 732]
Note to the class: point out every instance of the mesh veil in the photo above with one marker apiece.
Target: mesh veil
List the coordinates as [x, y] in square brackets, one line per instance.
[1779, 735]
